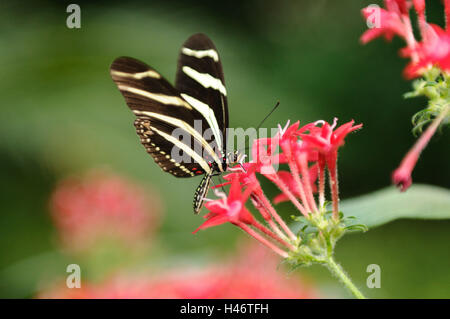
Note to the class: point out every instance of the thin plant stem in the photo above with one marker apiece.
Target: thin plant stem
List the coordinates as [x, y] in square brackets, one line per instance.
[321, 182]
[277, 217]
[334, 191]
[261, 239]
[269, 233]
[337, 270]
[265, 213]
[306, 180]
[280, 184]
[276, 229]
[296, 175]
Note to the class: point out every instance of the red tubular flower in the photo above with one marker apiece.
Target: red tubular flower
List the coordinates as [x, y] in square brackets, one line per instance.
[288, 179]
[432, 50]
[230, 209]
[307, 150]
[245, 173]
[402, 175]
[265, 156]
[391, 21]
[326, 140]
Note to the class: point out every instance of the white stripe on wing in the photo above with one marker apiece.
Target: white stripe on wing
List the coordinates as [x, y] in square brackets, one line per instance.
[201, 53]
[185, 126]
[210, 117]
[161, 98]
[205, 79]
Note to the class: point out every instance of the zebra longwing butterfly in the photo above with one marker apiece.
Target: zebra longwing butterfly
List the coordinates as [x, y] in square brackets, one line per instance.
[199, 97]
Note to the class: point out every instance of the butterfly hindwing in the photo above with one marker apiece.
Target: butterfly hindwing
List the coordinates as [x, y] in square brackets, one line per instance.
[150, 134]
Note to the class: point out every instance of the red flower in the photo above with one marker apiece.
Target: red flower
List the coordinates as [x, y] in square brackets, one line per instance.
[391, 22]
[326, 139]
[264, 155]
[307, 151]
[402, 175]
[230, 209]
[253, 274]
[102, 205]
[244, 172]
[432, 50]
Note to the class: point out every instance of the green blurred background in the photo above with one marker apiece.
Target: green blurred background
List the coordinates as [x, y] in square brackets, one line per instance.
[62, 114]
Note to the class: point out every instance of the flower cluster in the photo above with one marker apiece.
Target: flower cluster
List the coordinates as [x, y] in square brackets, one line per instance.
[252, 274]
[429, 58]
[307, 151]
[102, 206]
[433, 49]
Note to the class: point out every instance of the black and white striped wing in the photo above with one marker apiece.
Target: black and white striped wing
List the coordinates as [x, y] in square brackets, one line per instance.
[160, 109]
[200, 82]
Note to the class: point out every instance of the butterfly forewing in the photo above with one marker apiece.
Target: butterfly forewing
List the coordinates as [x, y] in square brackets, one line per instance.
[200, 81]
[145, 89]
[160, 110]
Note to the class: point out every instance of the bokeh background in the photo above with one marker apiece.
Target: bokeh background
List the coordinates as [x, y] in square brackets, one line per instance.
[61, 115]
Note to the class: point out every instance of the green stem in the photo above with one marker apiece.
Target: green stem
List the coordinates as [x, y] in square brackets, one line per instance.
[337, 270]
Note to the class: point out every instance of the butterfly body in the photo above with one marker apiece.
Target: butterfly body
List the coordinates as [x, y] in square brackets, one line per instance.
[183, 127]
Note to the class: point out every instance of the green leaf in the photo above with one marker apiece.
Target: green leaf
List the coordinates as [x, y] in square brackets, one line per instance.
[383, 206]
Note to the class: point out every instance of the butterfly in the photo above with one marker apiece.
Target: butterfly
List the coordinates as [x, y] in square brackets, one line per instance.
[196, 105]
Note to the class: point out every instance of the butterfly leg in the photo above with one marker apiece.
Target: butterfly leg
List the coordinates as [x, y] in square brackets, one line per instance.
[201, 192]
[221, 182]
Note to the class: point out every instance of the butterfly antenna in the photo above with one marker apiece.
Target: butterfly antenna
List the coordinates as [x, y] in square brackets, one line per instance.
[262, 122]
[267, 116]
